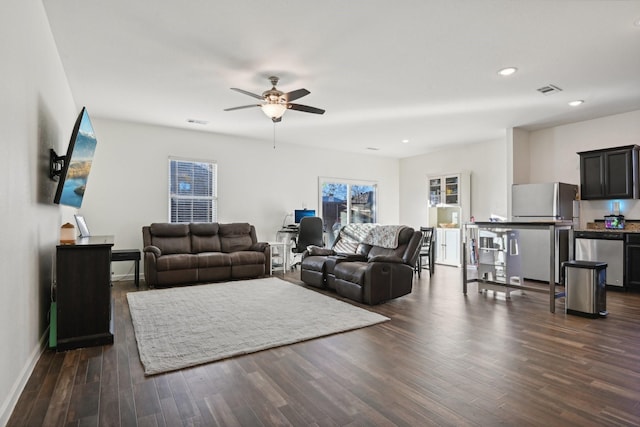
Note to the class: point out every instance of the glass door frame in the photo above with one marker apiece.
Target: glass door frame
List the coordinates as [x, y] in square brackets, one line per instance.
[349, 183]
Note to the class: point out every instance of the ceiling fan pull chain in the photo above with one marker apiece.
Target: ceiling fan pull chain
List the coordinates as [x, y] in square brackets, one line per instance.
[274, 135]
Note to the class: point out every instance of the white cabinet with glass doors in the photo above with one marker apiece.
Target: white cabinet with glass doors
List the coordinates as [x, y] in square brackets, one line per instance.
[448, 189]
[449, 209]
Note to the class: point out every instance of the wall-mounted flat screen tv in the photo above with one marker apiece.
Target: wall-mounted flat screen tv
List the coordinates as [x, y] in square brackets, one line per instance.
[76, 165]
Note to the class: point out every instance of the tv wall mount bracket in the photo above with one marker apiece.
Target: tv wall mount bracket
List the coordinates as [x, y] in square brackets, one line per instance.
[56, 164]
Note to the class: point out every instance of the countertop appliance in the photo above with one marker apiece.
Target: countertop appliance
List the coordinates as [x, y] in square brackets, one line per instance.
[551, 201]
[602, 246]
[614, 222]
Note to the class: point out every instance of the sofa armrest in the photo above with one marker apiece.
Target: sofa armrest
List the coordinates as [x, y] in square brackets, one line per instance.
[387, 258]
[259, 247]
[350, 257]
[317, 250]
[153, 249]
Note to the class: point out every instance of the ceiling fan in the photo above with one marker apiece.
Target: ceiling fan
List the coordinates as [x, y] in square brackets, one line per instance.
[275, 103]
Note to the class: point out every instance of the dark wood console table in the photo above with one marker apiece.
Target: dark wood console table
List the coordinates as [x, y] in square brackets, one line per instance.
[83, 293]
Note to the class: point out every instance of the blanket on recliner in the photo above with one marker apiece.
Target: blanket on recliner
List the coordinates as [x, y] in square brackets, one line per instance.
[385, 236]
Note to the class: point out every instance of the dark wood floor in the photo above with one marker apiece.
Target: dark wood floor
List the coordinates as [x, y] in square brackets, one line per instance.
[443, 359]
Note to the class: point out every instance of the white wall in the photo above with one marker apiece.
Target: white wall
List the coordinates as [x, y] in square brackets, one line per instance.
[258, 184]
[553, 155]
[36, 113]
[487, 163]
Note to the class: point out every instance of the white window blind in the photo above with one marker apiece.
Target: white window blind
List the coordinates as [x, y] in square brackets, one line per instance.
[192, 191]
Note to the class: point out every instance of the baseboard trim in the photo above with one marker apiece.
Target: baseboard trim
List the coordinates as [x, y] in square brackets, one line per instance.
[12, 399]
[125, 277]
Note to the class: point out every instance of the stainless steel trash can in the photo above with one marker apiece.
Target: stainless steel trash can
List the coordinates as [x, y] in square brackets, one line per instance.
[585, 288]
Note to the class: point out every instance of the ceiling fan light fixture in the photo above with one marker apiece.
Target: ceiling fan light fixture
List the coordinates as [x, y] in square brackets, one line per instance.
[274, 110]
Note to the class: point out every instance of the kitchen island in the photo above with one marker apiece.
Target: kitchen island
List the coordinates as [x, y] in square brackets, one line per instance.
[497, 260]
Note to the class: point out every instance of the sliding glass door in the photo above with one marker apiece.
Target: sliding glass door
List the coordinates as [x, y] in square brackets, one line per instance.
[346, 202]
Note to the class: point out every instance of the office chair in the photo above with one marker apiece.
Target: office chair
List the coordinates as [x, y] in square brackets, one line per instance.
[426, 251]
[310, 232]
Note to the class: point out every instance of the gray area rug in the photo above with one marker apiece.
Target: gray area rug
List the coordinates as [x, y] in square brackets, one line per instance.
[180, 327]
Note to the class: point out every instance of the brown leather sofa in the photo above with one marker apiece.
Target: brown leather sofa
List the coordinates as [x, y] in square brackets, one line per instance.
[176, 254]
[359, 269]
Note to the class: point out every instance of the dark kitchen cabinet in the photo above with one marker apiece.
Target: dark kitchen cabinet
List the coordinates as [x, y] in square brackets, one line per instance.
[610, 173]
[632, 260]
[83, 293]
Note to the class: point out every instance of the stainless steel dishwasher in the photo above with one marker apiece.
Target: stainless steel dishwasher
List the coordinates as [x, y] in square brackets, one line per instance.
[602, 246]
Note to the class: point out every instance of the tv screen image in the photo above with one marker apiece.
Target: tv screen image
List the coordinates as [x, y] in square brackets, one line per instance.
[298, 214]
[74, 174]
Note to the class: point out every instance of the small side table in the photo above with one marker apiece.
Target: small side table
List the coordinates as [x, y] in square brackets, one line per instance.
[128, 255]
[278, 258]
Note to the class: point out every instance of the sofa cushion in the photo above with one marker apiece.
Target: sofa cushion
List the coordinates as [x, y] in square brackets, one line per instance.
[246, 258]
[177, 262]
[235, 237]
[213, 259]
[351, 271]
[171, 238]
[204, 237]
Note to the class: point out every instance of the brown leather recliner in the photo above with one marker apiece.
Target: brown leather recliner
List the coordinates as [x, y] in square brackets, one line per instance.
[362, 271]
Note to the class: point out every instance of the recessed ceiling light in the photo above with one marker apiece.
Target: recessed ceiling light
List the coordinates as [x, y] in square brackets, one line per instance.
[576, 102]
[405, 141]
[507, 71]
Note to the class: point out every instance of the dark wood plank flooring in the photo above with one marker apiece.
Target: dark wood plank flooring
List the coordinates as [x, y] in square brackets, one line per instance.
[443, 359]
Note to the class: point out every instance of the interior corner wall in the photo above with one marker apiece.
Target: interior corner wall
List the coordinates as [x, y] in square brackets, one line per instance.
[258, 184]
[37, 113]
[487, 163]
[521, 166]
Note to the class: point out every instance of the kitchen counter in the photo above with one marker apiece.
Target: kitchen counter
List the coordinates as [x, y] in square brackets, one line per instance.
[629, 227]
[553, 228]
[530, 224]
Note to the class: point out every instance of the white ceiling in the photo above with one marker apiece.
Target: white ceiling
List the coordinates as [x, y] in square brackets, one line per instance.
[421, 70]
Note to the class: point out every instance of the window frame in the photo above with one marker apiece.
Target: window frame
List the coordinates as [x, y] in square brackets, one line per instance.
[212, 200]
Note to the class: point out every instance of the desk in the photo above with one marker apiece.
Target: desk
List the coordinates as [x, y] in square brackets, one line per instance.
[503, 227]
[287, 233]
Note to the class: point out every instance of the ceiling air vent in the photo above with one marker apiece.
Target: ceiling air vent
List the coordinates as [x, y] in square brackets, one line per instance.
[197, 121]
[549, 89]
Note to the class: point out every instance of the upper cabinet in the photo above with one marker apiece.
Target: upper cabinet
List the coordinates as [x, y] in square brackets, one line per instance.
[610, 173]
[448, 189]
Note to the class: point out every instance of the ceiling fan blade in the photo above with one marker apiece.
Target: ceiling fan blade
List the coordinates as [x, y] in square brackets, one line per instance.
[295, 94]
[241, 107]
[305, 108]
[247, 93]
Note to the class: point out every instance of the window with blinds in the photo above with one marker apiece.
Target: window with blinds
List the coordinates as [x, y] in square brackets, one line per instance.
[192, 191]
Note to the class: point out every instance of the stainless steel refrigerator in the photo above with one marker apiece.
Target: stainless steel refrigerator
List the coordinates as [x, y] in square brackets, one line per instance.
[551, 201]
